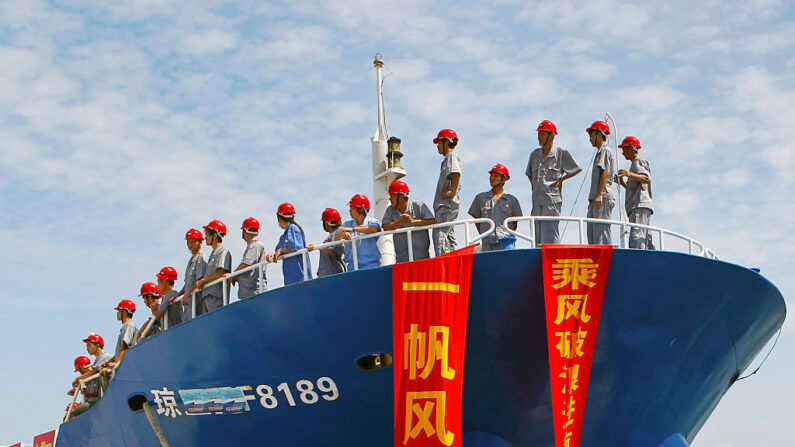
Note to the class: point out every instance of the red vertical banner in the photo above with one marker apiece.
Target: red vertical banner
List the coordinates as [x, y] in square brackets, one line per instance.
[44, 439]
[429, 316]
[574, 284]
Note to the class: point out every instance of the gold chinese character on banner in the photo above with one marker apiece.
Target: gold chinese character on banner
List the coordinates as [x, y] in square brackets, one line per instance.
[570, 343]
[576, 272]
[571, 378]
[421, 351]
[572, 306]
[432, 399]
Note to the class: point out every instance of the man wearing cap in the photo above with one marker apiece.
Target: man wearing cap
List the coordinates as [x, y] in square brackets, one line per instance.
[638, 200]
[220, 262]
[82, 366]
[497, 206]
[367, 253]
[166, 278]
[402, 213]
[94, 345]
[197, 265]
[248, 283]
[150, 293]
[124, 313]
[600, 198]
[330, 257]
[548, 167]
[446, 201]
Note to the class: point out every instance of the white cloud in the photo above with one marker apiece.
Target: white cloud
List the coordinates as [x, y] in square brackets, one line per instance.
[208, 41]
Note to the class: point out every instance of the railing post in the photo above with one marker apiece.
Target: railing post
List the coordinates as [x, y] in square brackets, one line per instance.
[533, 232]
[165, 316]
[583, 239]
[193, 304]
[466, 233]
[261, 279]
[690, 246]
[662, 240]
[224, 293]
[624, 240]
[306, 269]
[355, 255]
[411, 249]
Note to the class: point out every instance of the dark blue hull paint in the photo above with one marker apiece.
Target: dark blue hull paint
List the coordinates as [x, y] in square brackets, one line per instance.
[675, 330]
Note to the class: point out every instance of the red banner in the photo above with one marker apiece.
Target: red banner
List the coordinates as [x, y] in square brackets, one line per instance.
[44, 439]
[574, 286]
[18, 444]
[429, 311]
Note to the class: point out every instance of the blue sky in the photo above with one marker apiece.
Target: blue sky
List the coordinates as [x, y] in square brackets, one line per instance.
[124, 124]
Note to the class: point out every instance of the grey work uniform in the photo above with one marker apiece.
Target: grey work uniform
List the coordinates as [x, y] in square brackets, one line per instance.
[420, 242]
[176, 313]
[331, 264]
[248, 283]
[446, 210]
[126, 335]
[639, 204]
[213, 295]
[603, 161]
[544, 172]
[196, 268]
[485, 205]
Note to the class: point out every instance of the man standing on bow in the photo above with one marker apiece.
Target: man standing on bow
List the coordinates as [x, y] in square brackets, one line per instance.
[547, 168]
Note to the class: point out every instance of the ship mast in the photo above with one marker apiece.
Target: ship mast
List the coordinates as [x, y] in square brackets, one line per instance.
[385, 169]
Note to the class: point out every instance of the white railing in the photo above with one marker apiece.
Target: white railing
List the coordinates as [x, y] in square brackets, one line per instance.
[304, 254]
[694, 247]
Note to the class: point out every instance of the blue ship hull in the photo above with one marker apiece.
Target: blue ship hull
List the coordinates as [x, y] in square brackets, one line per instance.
[675, 332]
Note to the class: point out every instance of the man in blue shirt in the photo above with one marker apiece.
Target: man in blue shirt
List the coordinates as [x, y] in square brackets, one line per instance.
[367, 253]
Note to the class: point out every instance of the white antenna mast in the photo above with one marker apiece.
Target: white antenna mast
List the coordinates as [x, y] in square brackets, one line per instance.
[387, 166]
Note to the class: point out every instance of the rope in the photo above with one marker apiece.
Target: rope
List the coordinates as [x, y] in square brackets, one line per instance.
[764, 359]
[150, 416]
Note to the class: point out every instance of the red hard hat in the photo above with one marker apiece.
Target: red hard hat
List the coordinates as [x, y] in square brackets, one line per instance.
[286, 208]
[599, 125]
[630, 141]
[126, 304]
[250, 224]
[149, 288]
[331, 215]
[81, 361]
[502, 170]
[194, 234]
[167, 273]
[96, 338]
[216, 225]
[548, 126]
[398, 186]
[361, 201]
[73, 405]
[446, 133]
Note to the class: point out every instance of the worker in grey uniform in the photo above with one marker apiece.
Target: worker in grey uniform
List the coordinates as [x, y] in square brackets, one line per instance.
[82, 366]
[150, 293]
[497, 205]
[248, 283]
[220, 263]
[124, 313]
[600, 197]
[197, 265]
[94, 346]
[330, 258]
[403, 212]
[166, 278]
[548, 167]
[637, 182]
[446, 201]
